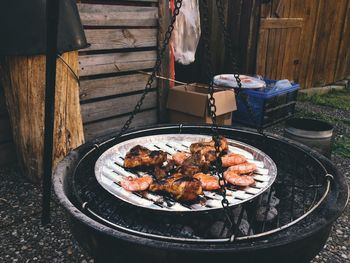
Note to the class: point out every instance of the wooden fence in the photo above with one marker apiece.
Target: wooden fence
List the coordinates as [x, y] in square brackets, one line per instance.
[305, 40]
[124, 39]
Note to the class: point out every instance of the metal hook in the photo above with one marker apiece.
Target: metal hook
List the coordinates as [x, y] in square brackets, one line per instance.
[84, 205]
[180, 128]
[329, 177]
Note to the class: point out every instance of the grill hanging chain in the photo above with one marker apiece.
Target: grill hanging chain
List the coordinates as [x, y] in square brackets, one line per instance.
[234, 64]
[212, 110]
[156, 69]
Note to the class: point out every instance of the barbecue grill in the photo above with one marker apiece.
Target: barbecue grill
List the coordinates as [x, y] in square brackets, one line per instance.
[290, 221]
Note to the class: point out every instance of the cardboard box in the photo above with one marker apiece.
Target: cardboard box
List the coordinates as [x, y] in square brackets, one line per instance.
[189, 104]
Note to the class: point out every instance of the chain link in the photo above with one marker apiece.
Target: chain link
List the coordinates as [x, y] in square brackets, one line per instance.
[156, 69]
[212, 109]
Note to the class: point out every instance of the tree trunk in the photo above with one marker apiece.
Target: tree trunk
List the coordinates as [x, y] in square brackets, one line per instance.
[24, 87]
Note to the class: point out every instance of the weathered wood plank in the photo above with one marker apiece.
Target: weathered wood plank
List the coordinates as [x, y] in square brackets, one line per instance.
[112, 107]
[281, 22]
[116, 62]
[7, 153]
[262, 52]
[326, 38]
[343, 63]
[309, 74]
[163, 87]
[335, 38]
[307, 41]
[5, 130]
[120, 38]
[96, 129]
[117, 15]
[270, 53]
[98, 88]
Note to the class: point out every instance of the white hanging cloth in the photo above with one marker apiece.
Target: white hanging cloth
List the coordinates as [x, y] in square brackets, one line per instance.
[187, 31]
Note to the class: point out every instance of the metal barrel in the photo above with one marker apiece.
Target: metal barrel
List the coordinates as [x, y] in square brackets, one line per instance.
[313, 133]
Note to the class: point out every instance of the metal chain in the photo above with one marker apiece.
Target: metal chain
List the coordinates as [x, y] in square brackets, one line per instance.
[160, 53]
[228, 43]
[212, 109]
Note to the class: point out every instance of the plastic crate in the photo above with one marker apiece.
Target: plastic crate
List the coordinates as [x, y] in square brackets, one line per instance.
[267, 106]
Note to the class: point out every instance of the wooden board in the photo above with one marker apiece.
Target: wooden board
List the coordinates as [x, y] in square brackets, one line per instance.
[117, 106]
[343, 62]
[104, 87]
[116, 62]
[114, 29]
[100, 128]
[163, 85]
[120, 38]
[117, 15]
[328, 39]
[269, 23]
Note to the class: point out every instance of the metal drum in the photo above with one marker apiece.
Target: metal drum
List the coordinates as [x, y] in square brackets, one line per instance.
[313, 133]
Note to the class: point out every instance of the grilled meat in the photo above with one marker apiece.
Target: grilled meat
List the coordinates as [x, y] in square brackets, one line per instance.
[182, 188]
[196, 163]
[141, 156]
[207, 149]
[163, 171]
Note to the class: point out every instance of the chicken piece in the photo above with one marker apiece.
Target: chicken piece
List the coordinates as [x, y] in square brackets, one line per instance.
[182, 188]
[196, 163]
[209, 146]
[163, 171]
[141, 156]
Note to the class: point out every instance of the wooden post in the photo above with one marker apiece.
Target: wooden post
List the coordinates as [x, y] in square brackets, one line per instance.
[23, 80]
[163, 85]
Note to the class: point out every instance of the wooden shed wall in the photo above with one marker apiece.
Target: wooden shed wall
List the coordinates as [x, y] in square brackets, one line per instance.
[305, 41]
[124, 39]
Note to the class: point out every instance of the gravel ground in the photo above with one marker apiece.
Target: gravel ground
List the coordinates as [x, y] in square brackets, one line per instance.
[24, 239]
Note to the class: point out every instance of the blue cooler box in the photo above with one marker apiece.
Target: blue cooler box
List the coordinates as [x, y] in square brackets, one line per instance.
[267, 106]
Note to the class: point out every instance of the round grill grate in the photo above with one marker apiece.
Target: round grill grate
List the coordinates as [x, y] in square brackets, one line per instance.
[299, 188]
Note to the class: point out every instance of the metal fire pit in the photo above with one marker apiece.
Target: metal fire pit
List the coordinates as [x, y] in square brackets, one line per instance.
[290, 222]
